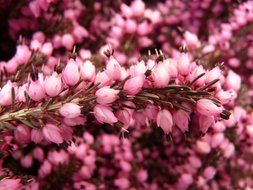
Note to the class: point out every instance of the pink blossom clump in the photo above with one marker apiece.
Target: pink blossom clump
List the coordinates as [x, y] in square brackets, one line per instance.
[128, 95]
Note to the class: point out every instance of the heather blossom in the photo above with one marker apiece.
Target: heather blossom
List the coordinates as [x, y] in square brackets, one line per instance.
[126, 95]
[164, 120]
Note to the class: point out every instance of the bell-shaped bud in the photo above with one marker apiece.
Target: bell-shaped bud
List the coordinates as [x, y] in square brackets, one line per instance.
[164, 120]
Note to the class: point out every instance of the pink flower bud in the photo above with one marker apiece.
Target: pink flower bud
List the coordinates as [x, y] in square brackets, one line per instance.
[36, 90]
[233, 81]
[20, 95]
[6, 94]
[36, 135]
[151, 112]
[126, 10]
[208, 108]
[130, 26]
[57, 41]
[119, 20]
[191, 40]
[35, 9]
[39, 36]
[231, 122]
[161, 75]
[181, 119]
[209, 172]
[249, 130]
[164, 120]
[85, 54]
[144, 42]
[45, 169]
[53, 85]
[106, 48]
[171, 65]
[184, 181]
[47, 49]
[102, 78]
[113, 69]
[22, 134]
[79, 33]
[70, 110]
[139, 118]
[213, 74]
[153, 15]
[71, 73]
[116, 31]
[183, 65]
[142, 175]
[23, 54]
[125, 166]
[208, 49]
[195, 161]
[89, 139]
[196, 72]
[122, 183]
[138, 7]
[74, 121]
[106, 95]
[11, 66]
[219, 126]
[38, 154]
[85, 172]
[138, 69]
[52, 133]
[10, 184]
[57, 158]
[203, 147]
[143, 28]
[124, 117]
[81, 151]
[68, 41]
[87, 70]
[35, 45]
[66, 132]
[225, 96]
[239, 113]
[234, 62]
[133, 85]
[205, 122]
[27, 161]
[217, 139]
[229, 150]
[43, 4]
[104, 114]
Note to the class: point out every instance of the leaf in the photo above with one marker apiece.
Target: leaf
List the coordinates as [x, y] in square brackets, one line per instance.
[7, 125]
[45, 106]
[209, 84]
[92, 88]
[53, 119]
[149, 95]
[184, 99]
[180, 107]
[191, 92]
[29, 124]
[74, 96]
[198, 77]
[13, 95]
[165, 103]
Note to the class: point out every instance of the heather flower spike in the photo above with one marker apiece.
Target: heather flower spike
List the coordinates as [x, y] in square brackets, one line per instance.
[126, 95]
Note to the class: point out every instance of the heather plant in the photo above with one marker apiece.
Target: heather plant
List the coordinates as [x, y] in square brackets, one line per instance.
[138, 95]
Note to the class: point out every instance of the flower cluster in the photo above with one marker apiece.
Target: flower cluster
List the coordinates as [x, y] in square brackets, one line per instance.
[126, 95]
